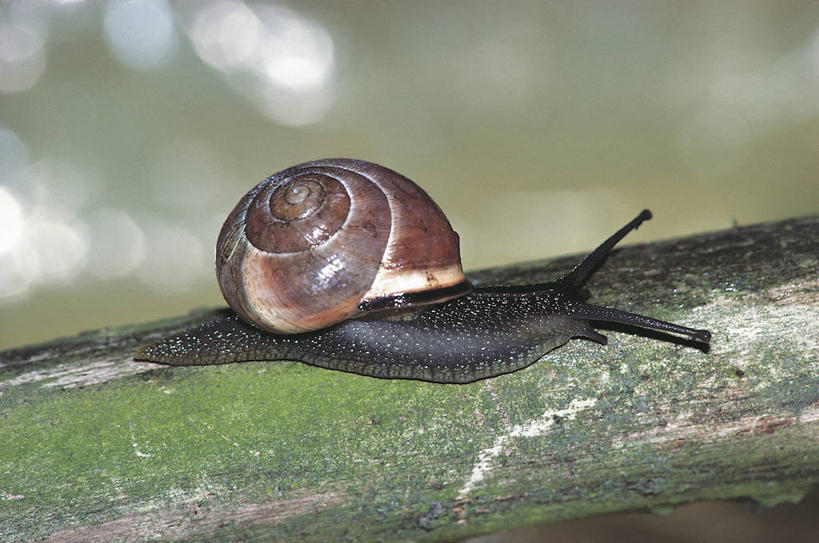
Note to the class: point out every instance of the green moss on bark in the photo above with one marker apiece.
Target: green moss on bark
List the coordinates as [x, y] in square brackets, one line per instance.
[93, 444]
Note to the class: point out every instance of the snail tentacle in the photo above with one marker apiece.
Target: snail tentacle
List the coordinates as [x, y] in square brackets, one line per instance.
[592, 261]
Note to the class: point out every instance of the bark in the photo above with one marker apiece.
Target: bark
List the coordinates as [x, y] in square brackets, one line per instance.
[96, 446]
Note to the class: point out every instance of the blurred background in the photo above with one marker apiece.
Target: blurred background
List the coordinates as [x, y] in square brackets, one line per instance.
[129, 129]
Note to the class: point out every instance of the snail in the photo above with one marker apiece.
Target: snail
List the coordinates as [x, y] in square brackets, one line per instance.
[348, 265]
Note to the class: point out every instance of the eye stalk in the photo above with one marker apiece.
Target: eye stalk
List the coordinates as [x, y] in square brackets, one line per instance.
[594, 259]
[580, 273]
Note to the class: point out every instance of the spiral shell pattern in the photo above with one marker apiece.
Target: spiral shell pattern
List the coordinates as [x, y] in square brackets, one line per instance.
[321, 242]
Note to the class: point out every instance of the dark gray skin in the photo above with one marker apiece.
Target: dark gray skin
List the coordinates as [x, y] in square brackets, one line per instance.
[487, 332]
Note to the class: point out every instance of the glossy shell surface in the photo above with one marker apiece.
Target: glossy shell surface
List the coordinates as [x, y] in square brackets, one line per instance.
[320, 242]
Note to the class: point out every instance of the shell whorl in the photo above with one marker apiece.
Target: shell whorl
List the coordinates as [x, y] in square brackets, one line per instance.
[313, 244]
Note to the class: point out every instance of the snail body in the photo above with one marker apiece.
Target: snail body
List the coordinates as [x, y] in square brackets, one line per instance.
[355, 268]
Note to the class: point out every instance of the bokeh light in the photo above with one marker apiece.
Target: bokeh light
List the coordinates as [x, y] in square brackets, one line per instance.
[13, 155]
[280, 60]
[22, 56]
[130, 128]
[117, 243]
[11, 221]
[140, 33]
[227, 35]
[54, 251]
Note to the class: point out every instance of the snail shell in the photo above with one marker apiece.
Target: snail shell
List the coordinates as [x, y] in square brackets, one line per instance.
[328, 240]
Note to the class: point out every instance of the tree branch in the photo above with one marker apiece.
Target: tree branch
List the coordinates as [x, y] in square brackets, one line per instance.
[95, 445]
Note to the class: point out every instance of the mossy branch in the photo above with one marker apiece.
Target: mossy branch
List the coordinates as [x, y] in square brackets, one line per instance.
[95, 445]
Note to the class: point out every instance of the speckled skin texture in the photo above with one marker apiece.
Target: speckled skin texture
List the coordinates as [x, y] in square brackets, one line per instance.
[463, 340]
